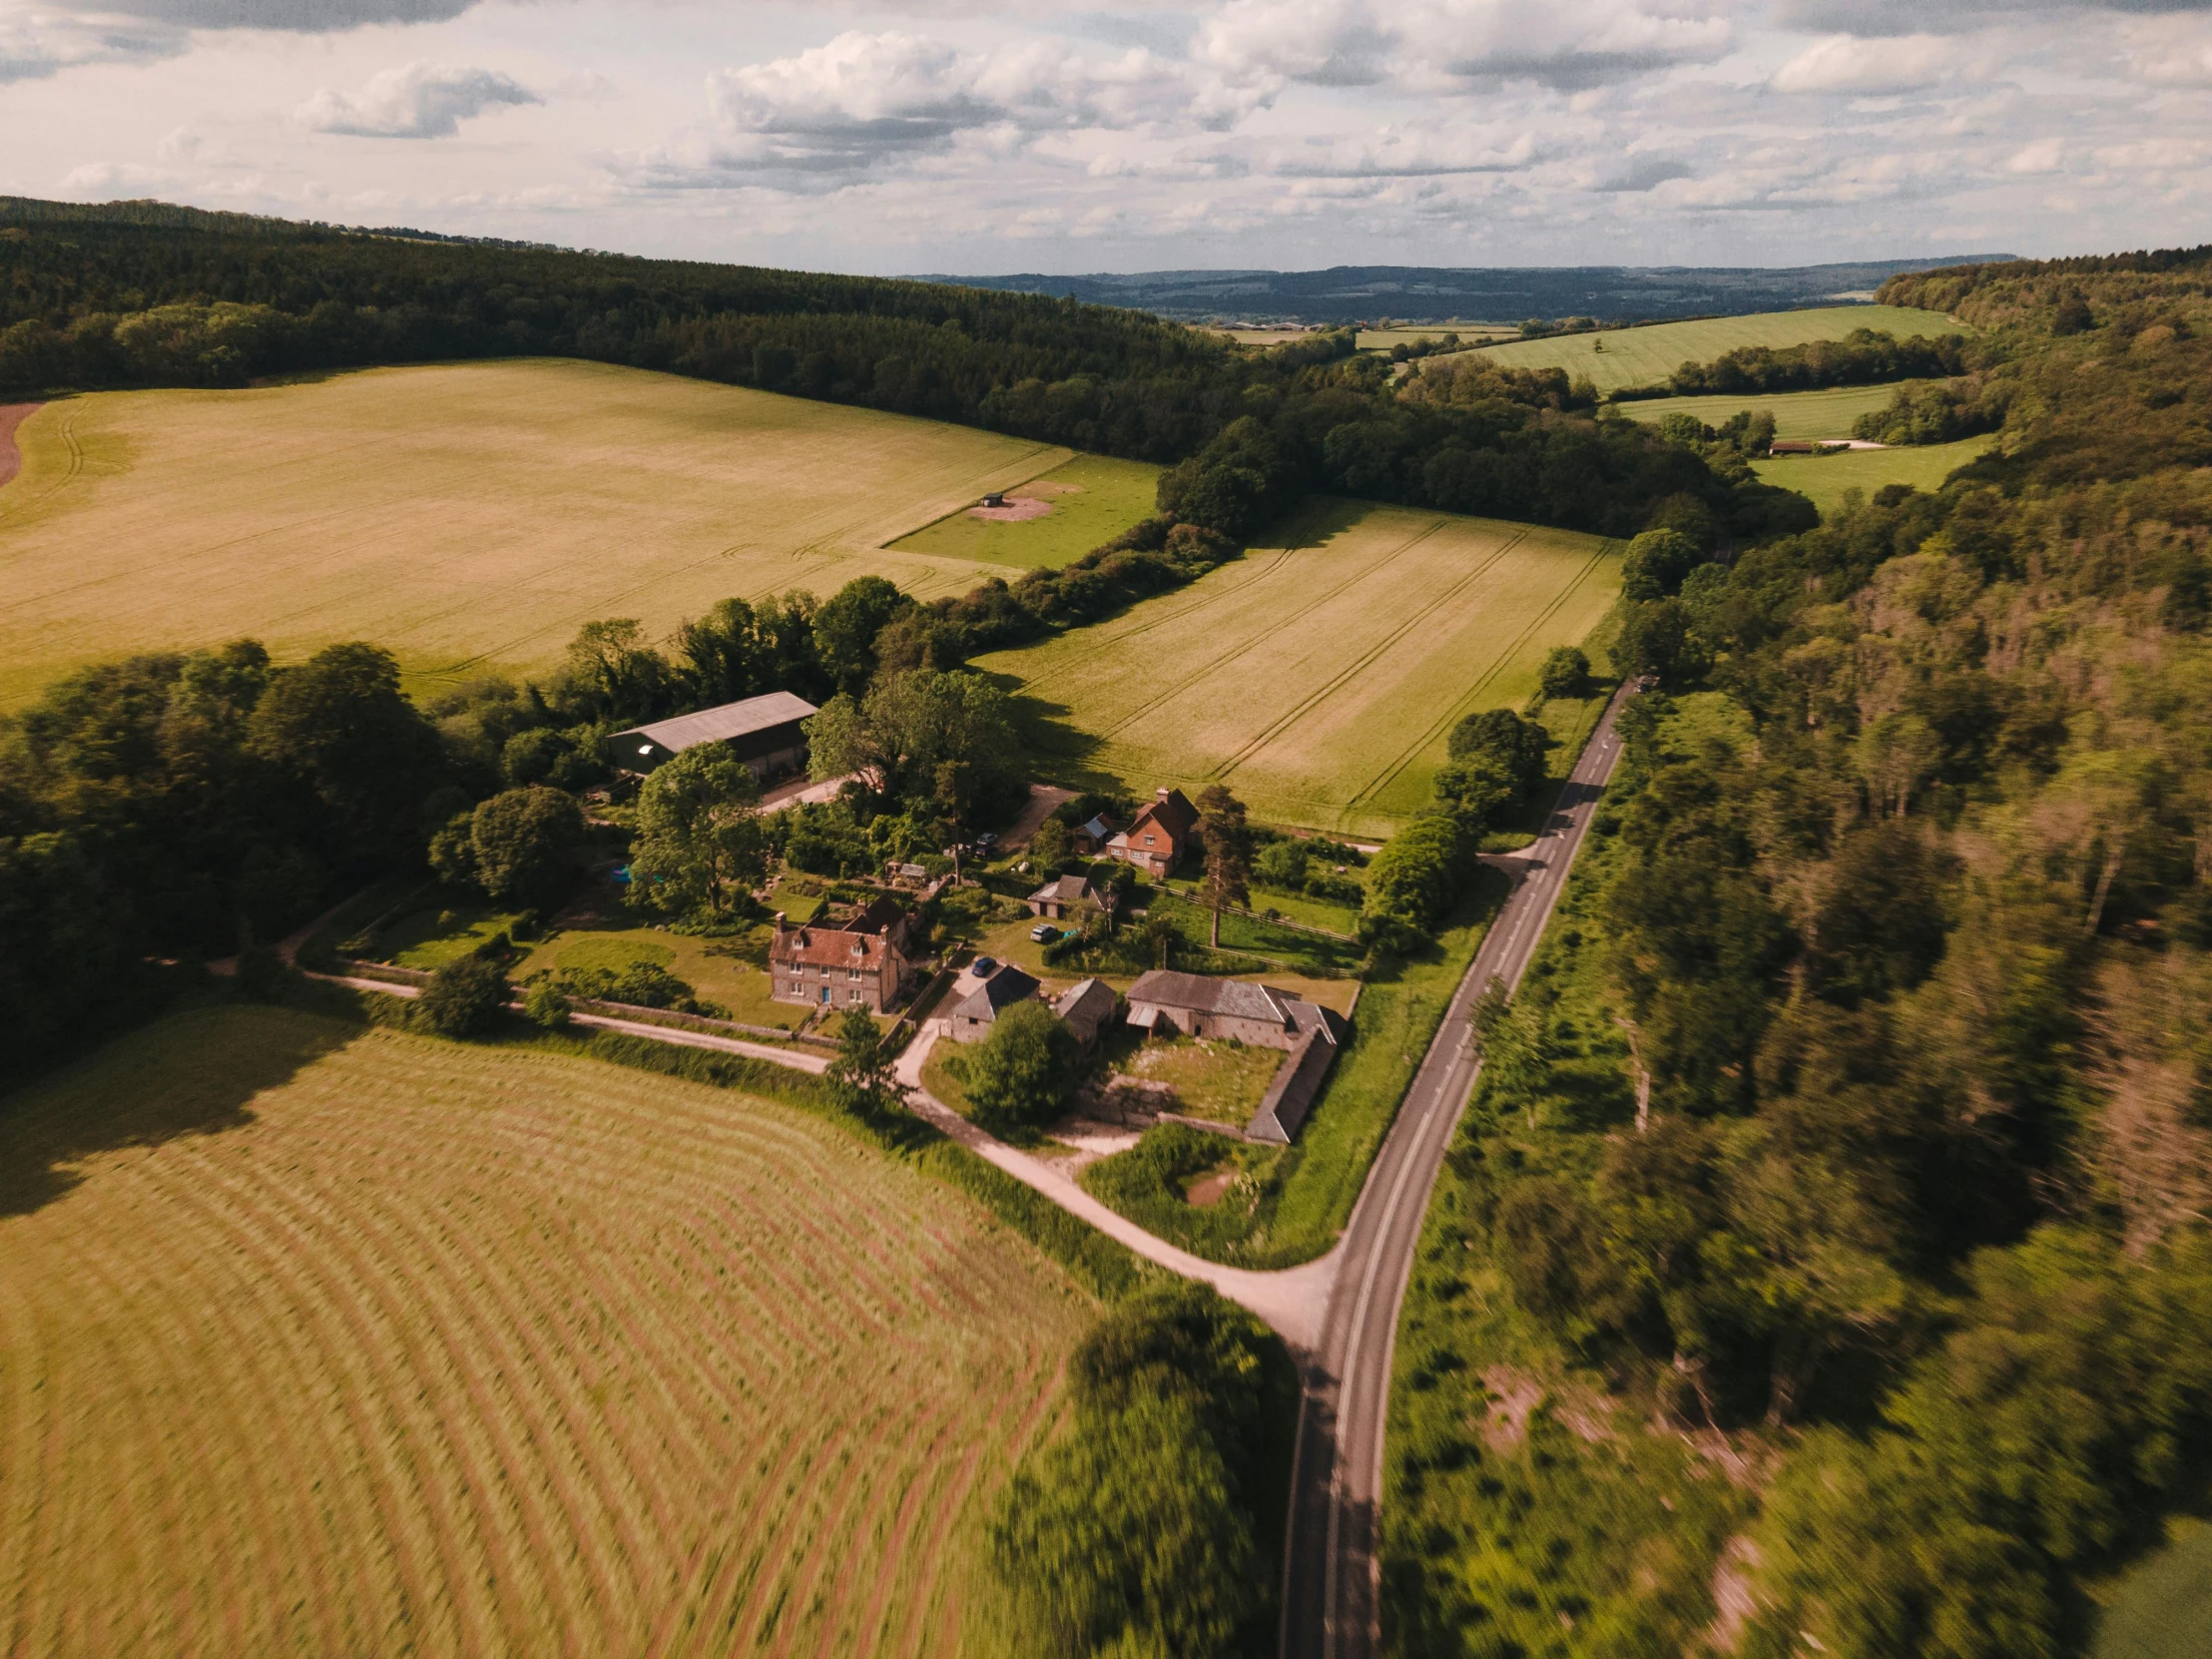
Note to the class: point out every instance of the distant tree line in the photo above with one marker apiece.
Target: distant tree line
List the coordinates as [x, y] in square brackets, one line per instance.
[144, 296]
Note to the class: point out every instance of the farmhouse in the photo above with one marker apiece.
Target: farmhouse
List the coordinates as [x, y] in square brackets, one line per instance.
[839, 966]
[1156, 841]
[1193, 1006]
[762, 732]
[1000, 987]
[1065, 896]
[1087, 1009]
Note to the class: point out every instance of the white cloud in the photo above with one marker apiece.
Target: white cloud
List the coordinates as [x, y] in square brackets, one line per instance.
[2043, 155]
[1845, 63]
[416, 100]
[1432, 43]
[833, 113]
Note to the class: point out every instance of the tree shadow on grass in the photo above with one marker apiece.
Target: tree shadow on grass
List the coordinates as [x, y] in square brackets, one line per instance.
[188, 1073]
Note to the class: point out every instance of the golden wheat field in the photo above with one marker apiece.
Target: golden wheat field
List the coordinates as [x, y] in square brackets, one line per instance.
[1318, 678]
[320, 1340]
[463, 516]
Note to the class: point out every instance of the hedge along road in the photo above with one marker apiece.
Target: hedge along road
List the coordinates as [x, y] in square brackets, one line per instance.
[1339, 1314]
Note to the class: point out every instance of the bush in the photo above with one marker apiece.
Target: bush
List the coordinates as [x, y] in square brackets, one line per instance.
[1023, 1073]
[546, 1006]
[463, 998]
[1566, 672]
[1413, 881]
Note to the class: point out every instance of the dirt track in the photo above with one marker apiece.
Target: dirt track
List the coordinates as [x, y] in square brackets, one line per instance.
[11, 458]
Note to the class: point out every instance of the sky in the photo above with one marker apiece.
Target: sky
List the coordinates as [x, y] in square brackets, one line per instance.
[983, 136]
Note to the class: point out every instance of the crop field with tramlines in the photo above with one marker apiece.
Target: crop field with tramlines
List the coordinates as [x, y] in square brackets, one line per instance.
[460, 515]
[1616, 358]
[1318, 678]
[1826, 414]
[322, 1340]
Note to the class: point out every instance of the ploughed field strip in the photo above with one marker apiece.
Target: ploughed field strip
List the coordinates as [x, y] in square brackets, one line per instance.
[347, 1343]
[457, 515]
[1320, 680]
[1646, 356]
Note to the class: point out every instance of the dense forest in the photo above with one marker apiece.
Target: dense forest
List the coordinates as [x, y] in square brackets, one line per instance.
[1856, 1124]
[142, 294]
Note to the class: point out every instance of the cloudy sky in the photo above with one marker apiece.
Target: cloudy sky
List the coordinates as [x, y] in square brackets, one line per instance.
[986, 136]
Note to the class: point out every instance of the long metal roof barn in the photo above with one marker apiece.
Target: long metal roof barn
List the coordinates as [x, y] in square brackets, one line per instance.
[722, 724]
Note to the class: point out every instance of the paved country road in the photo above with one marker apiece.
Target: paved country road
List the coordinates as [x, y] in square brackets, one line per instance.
[1328, 1579]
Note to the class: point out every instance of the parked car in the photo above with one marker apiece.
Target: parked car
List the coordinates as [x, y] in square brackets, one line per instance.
[1044, 932]
[986, 844]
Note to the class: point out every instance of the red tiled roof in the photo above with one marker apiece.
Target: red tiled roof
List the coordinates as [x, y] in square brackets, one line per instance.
[827, 947]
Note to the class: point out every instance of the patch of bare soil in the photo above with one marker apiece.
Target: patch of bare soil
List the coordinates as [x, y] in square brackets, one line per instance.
[1208, 1189]
[1514, 1397]
[1732, 1594]
[11, 458]
[1017, 508]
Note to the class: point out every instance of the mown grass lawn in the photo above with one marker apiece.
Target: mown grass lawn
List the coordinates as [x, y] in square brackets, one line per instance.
[1826, 479]
[1094, 498]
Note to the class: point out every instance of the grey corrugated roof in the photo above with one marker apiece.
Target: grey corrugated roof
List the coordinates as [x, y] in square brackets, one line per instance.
[1068, 889]
[730, 720]
[1237, 998]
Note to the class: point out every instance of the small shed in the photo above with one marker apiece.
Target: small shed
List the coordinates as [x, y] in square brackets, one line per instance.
[762, 732]
[1065, 896]
[1087, 1009]
[973, 1015]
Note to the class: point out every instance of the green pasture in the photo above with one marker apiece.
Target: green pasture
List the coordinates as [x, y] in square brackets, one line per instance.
[466, 516]
[1826, 479]
[1827, 414]
[2162, 1607]
[1614, 358]
[1318, 677]
[1094, 499]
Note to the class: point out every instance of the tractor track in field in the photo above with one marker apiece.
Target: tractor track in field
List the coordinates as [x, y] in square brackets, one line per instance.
[1466, 699]
[1367, 659]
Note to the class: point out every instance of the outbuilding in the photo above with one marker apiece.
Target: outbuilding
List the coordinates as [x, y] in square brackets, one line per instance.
[976, 1012]
[762, 732]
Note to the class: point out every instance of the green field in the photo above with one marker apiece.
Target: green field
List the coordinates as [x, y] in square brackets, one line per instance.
[1828, 478]
[318, 1339]
[463, 516]
[1646, 356]
[1318, 679]
[2162, 1607]
[1094, 498]
[1827, 414]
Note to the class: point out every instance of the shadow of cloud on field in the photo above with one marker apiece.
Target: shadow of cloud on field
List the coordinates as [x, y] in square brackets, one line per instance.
[190, 1073]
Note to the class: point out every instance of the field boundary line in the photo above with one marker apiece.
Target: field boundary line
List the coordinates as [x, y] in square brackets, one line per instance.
[1465, 702]
[1367, 659]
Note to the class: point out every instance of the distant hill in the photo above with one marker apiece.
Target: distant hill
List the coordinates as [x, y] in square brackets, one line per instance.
[1426, 294]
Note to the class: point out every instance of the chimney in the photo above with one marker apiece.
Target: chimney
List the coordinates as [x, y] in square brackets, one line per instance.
[1164, 793]
[783, 924]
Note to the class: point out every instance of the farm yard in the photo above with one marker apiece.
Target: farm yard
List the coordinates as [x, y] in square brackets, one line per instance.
[320, 1339]
[1826, 479]
[1055, 518]
[462, 516]
[1646, 356]
[1318, 679]
[1826, 414]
